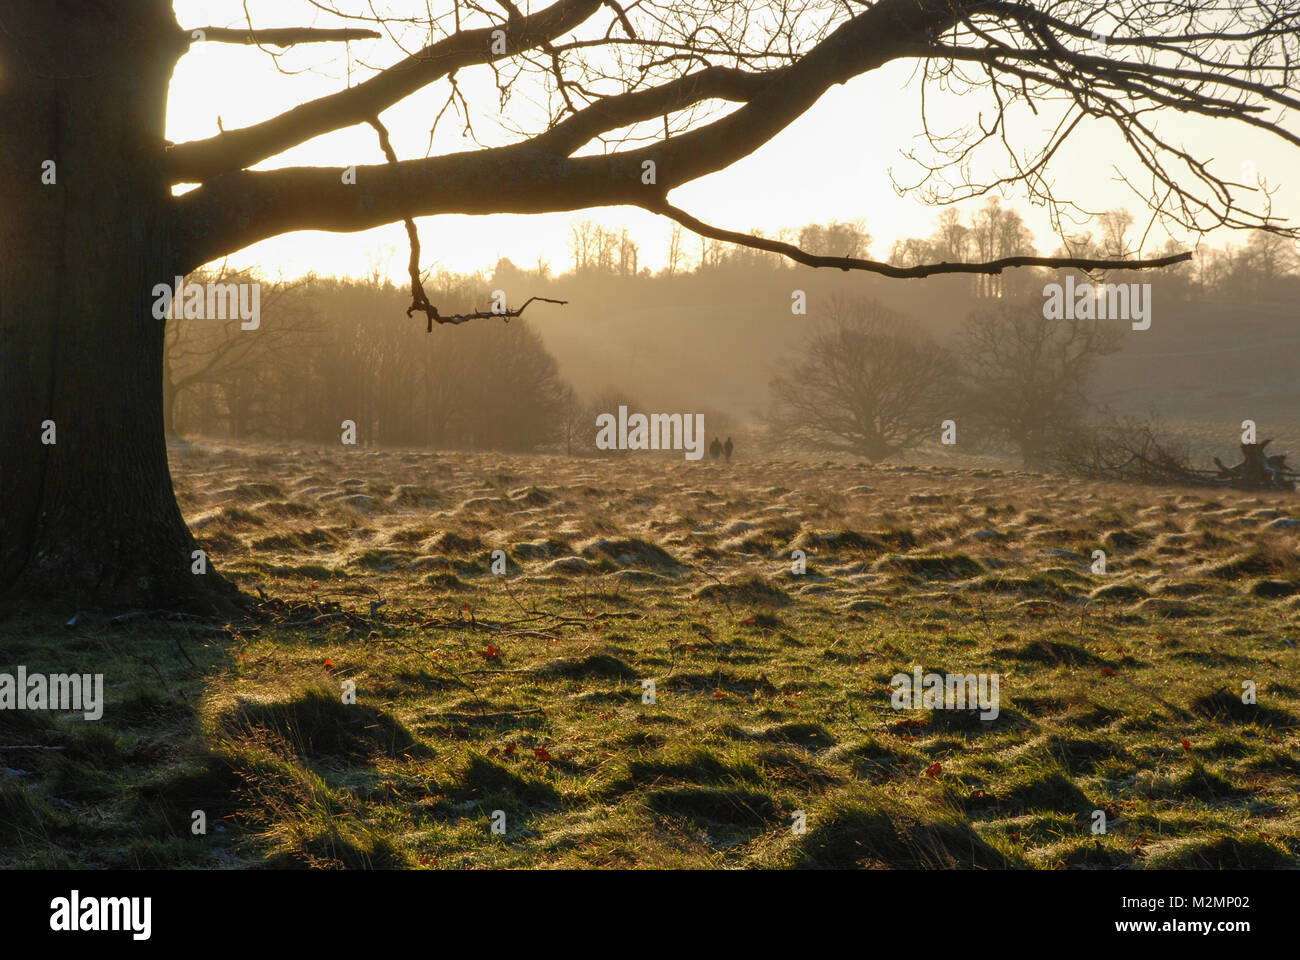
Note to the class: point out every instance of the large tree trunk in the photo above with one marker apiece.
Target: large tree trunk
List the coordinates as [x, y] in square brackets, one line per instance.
[90, 518]
[170, 396]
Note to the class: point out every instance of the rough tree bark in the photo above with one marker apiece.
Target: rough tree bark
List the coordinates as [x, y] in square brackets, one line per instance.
[92, 516]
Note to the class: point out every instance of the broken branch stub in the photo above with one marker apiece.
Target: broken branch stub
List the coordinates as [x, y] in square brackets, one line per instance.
[419, 299]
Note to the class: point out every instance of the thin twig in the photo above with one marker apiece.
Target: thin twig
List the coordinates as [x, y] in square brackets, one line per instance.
[483, 716]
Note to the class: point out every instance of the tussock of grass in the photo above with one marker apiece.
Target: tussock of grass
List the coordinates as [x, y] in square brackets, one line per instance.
[1166, 609]
[862, 829]
[546, 549]
[1225, 706]
[752, 590]
[286, 508]
[630, 552]
[414, 495]
[810, 735]
[485, 784]
[1041, 650]
[875, 759]
[1124, 539]
[318, 723]
[1274, 588]
[1081, 755]
[931, 566]
[1120, 592]
[596, 665]
[838, 541]
[1265, 558]
[1045, 789]
[1220, 853]
[531, 497]
[228, 517]
[713, 806]
[450, 542]
[1204, 784]
[698, 766]
[1034, 586]
[26, 820]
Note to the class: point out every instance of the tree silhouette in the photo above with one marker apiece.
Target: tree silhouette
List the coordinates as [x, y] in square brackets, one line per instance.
[1027, 377]
[865, 384]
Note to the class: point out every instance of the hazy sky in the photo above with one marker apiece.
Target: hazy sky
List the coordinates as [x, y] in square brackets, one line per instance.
[833, 163]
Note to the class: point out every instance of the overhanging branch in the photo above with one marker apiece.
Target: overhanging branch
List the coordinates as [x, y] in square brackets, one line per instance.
[280, 36]
[230, 212]
[241, 207]
[919, 271]
[198, 161]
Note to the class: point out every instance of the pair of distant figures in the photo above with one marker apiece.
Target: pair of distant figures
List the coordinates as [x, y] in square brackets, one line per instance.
[717, 449]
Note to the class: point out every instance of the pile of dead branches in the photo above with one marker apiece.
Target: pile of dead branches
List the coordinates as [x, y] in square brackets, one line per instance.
[1137, 452]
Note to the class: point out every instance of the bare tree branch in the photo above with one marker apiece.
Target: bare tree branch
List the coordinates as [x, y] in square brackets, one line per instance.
[279, 36]
[505, 315]
[1235, 62]
[201, 160]
[908, 272]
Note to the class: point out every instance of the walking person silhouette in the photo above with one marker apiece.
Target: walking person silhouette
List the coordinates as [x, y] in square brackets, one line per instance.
[727, 448]
[715, 449]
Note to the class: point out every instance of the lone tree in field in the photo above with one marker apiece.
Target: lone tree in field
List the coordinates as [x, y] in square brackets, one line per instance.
[91, 223]
[864, 384]
[1027, 376]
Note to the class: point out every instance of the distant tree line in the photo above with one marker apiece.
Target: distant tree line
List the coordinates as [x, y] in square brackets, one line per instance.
[866, 382]
[330, 350]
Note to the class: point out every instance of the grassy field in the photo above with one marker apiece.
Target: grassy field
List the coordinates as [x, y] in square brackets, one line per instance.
[518, 700]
